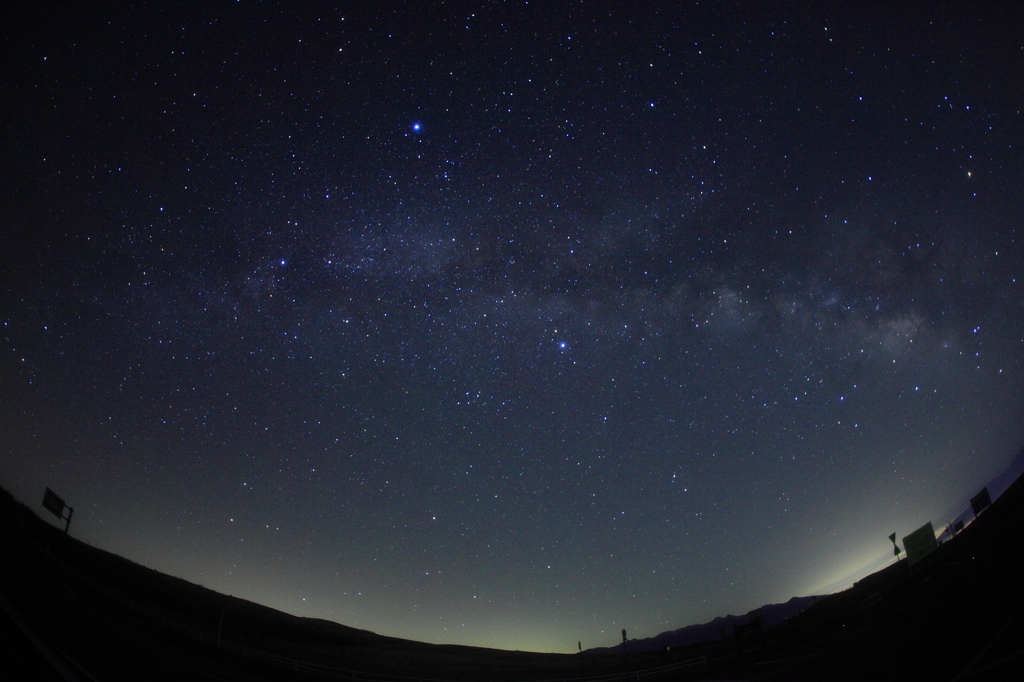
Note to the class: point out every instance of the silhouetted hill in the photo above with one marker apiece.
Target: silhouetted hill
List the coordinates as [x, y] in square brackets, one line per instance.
[113, 619]
[69, 607]
[771, 614]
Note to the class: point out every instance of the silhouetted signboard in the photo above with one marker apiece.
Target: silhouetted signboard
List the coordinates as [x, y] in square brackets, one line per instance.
[54, 503]
[895, 547]
[920, 543]
[980, 501]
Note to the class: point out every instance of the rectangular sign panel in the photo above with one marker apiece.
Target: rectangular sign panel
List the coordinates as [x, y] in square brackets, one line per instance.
[54, 503]
[920, 543]
[980, 501]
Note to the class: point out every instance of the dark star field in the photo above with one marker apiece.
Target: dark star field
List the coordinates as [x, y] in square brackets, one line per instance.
[510, 324]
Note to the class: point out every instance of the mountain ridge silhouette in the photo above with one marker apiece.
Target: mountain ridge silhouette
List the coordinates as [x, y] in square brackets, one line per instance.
[771, 614]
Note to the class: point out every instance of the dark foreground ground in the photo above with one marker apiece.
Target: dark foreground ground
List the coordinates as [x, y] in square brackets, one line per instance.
[71, 612]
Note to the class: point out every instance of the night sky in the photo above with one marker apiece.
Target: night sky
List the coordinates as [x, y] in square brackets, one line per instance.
[510, 324]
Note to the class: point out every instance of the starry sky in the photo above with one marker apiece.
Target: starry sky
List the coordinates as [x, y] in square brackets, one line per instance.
[510, 324]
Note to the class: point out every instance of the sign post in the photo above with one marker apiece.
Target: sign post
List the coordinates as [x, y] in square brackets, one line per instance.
[625, 658]
[55, 504]
[895, 547]
[980, 501]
